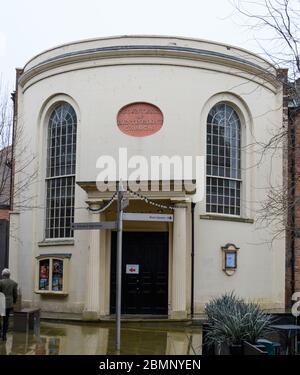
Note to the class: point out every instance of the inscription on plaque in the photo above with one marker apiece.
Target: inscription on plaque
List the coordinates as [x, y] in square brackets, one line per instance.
[140, 119]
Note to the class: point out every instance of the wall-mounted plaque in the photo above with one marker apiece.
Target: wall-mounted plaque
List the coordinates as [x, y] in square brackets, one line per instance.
[140, 119]
[229, 258]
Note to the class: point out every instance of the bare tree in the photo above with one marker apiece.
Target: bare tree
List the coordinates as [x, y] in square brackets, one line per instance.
[277, 22]
[6, 130]
[275, 25]
[14, 146]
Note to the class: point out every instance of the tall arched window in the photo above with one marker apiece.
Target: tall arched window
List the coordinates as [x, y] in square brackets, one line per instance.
[223, 168]
[61, 163]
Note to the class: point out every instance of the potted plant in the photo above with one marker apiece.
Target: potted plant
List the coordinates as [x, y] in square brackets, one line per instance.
[231, 321]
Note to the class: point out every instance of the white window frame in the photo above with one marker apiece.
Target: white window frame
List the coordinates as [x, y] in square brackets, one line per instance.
[224, 177]
[51, 258]
[58, 178]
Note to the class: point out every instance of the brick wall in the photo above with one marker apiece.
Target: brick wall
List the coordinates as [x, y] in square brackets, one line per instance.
[4, 214]
[290, 238]
[296, 255]
[288, 173]
[293, 227]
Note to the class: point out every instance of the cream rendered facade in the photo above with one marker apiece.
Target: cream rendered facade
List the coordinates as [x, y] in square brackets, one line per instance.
[185, 78]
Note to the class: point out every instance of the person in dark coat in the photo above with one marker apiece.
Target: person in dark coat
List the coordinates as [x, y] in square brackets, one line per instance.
[10, 289]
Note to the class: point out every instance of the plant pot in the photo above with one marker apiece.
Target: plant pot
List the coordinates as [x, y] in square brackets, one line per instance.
[236, 349]
[221, 349]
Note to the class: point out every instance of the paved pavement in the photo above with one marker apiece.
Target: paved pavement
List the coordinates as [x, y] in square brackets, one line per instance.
[79, 338]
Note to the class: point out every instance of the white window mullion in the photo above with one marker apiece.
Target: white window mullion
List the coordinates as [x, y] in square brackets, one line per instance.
[227, 184]
[60, 176]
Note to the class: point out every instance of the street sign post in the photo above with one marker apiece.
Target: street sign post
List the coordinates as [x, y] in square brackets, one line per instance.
[119, 266]
[132, 216]
[125, 203]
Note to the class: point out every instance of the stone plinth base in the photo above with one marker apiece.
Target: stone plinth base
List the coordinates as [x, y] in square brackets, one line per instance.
[90, 315]
[178, 315]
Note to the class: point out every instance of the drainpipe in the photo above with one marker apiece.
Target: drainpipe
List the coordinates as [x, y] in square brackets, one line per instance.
[193, 260]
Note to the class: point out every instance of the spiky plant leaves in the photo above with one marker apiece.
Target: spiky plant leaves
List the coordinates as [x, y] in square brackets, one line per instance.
[231, 320]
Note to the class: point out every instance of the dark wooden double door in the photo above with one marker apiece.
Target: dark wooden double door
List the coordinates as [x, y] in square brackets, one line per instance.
[144, 273]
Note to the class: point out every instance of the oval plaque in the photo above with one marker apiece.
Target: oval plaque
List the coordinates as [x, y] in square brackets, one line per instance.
[140, 119]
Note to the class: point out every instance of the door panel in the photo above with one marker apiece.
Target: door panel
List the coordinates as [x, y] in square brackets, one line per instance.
[147, 291]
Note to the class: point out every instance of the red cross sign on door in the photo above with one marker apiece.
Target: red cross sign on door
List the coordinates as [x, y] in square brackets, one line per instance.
[132, 268]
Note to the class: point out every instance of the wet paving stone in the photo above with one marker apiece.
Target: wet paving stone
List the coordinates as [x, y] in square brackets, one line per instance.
[90, 339]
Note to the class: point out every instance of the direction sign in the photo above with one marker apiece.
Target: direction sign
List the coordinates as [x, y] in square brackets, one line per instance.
[95, 225]
[132, 216]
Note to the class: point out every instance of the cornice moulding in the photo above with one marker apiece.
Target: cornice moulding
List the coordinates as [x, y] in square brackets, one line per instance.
[164, 52]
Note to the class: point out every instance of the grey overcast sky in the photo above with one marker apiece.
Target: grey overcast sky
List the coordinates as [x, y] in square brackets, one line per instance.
[28, 27]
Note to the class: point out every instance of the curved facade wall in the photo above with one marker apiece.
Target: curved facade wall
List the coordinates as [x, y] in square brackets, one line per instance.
[183, 78]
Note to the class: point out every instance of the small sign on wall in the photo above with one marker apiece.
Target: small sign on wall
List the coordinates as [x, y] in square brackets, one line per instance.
[132, 269]
[229, 258]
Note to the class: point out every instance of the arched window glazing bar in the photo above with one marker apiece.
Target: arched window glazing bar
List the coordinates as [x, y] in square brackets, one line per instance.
[61, 166]
[223, 166]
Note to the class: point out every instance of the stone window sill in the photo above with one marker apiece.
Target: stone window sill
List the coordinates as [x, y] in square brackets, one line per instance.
[45, 243]
[227, 218]
[50, 293]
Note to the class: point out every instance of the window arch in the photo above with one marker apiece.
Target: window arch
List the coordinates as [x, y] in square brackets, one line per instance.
[60, 176]
[223, 165]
